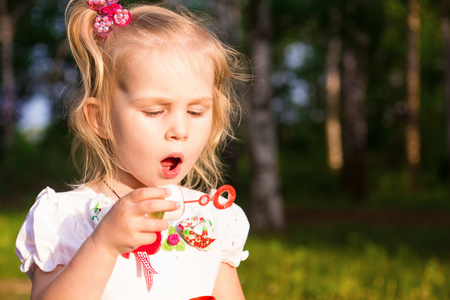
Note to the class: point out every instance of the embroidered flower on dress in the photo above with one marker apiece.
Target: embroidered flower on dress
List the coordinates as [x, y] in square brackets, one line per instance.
[173, 241]
[99, 207]
[200, 241]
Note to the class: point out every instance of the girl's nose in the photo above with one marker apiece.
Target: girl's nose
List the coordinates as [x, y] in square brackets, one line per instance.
[178, 128]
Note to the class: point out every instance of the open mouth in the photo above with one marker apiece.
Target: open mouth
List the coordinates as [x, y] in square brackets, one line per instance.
[171, 165]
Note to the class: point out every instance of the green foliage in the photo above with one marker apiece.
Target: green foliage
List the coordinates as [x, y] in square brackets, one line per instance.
[10, 223]
[384, 23]
[348, 262]
[42, 27]
[27, 167]
[307, 181]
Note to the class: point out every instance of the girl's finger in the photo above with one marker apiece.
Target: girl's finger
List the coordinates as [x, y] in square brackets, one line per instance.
[148, 238]
[147, 193]
[151, 206]
[153, 225]
[143, 238]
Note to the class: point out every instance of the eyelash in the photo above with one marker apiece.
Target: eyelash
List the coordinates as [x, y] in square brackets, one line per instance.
[154, 114]
[195, 114]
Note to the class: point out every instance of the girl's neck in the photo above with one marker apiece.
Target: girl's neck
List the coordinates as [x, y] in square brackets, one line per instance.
[120, 186]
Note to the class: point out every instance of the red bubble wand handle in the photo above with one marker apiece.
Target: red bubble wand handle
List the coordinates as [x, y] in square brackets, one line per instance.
[205, 199]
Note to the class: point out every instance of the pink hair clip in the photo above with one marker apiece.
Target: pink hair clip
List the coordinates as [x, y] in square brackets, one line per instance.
[109, 14]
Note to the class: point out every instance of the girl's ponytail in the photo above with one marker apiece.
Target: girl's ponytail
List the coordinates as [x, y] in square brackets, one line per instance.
[97, 158]
[86, 51]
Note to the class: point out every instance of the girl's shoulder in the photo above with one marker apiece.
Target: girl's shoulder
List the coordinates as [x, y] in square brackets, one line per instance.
[69, 201]
[55, 227]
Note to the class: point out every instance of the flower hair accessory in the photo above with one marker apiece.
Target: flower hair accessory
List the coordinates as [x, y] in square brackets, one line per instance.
[109, 14]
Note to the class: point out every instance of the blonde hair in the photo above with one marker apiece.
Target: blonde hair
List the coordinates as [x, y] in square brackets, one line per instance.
[102, 61]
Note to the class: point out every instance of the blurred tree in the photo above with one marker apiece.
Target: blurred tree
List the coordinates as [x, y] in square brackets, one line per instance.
[412, 133]
[445, 27]
[10, 14]
[355, 126]
[344, 32]
[228, 14]
[333, 91]
[357, 39]
[297, 25]
[267, 204]
[40, 65]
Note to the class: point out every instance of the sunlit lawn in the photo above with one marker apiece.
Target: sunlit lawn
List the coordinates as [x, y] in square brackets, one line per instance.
[349, 262]
[9, 228]
[320, 262]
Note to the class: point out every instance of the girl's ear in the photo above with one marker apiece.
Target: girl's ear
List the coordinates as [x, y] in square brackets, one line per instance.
[92, 112]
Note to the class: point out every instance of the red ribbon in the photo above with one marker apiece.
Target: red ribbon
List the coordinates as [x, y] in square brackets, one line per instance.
[143, 253]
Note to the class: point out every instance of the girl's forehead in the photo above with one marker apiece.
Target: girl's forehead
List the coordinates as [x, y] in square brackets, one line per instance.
[154, 71]
[172, 58]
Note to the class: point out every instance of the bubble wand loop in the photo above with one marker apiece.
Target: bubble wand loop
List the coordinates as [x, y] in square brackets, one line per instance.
[205, 199]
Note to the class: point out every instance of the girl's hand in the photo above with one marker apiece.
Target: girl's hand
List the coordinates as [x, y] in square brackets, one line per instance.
[127, 225]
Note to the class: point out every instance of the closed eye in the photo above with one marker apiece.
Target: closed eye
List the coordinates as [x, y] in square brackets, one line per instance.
[153, 113]
[195, 114]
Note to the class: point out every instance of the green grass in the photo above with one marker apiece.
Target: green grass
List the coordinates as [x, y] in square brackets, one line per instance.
[349, 262]
[10, 223]
[320, 262]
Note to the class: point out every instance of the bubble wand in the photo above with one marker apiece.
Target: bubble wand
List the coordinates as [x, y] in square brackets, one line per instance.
[205, 199]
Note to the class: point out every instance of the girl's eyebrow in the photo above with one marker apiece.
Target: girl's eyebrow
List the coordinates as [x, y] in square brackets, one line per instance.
[149, 100]
[162, 100]
[201, 100]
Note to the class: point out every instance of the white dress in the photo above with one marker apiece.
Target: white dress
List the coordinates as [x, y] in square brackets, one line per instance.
[58, 223]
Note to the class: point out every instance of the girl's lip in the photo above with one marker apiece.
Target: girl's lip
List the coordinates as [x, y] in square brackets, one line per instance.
[169, 172]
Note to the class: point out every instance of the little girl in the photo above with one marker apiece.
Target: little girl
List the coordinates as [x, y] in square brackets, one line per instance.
[155, 106]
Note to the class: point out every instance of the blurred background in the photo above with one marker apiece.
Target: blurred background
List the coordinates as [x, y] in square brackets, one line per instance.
[343, 158]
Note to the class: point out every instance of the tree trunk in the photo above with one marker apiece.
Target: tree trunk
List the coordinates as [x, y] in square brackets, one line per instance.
[333, 90]
[412, 133]
[228, 15]
[267, 204]
[355, 127]
[445, 25]
[8, 108]
[8, 22]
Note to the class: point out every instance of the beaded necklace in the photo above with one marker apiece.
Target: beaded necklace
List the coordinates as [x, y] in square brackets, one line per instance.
[118, 197]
